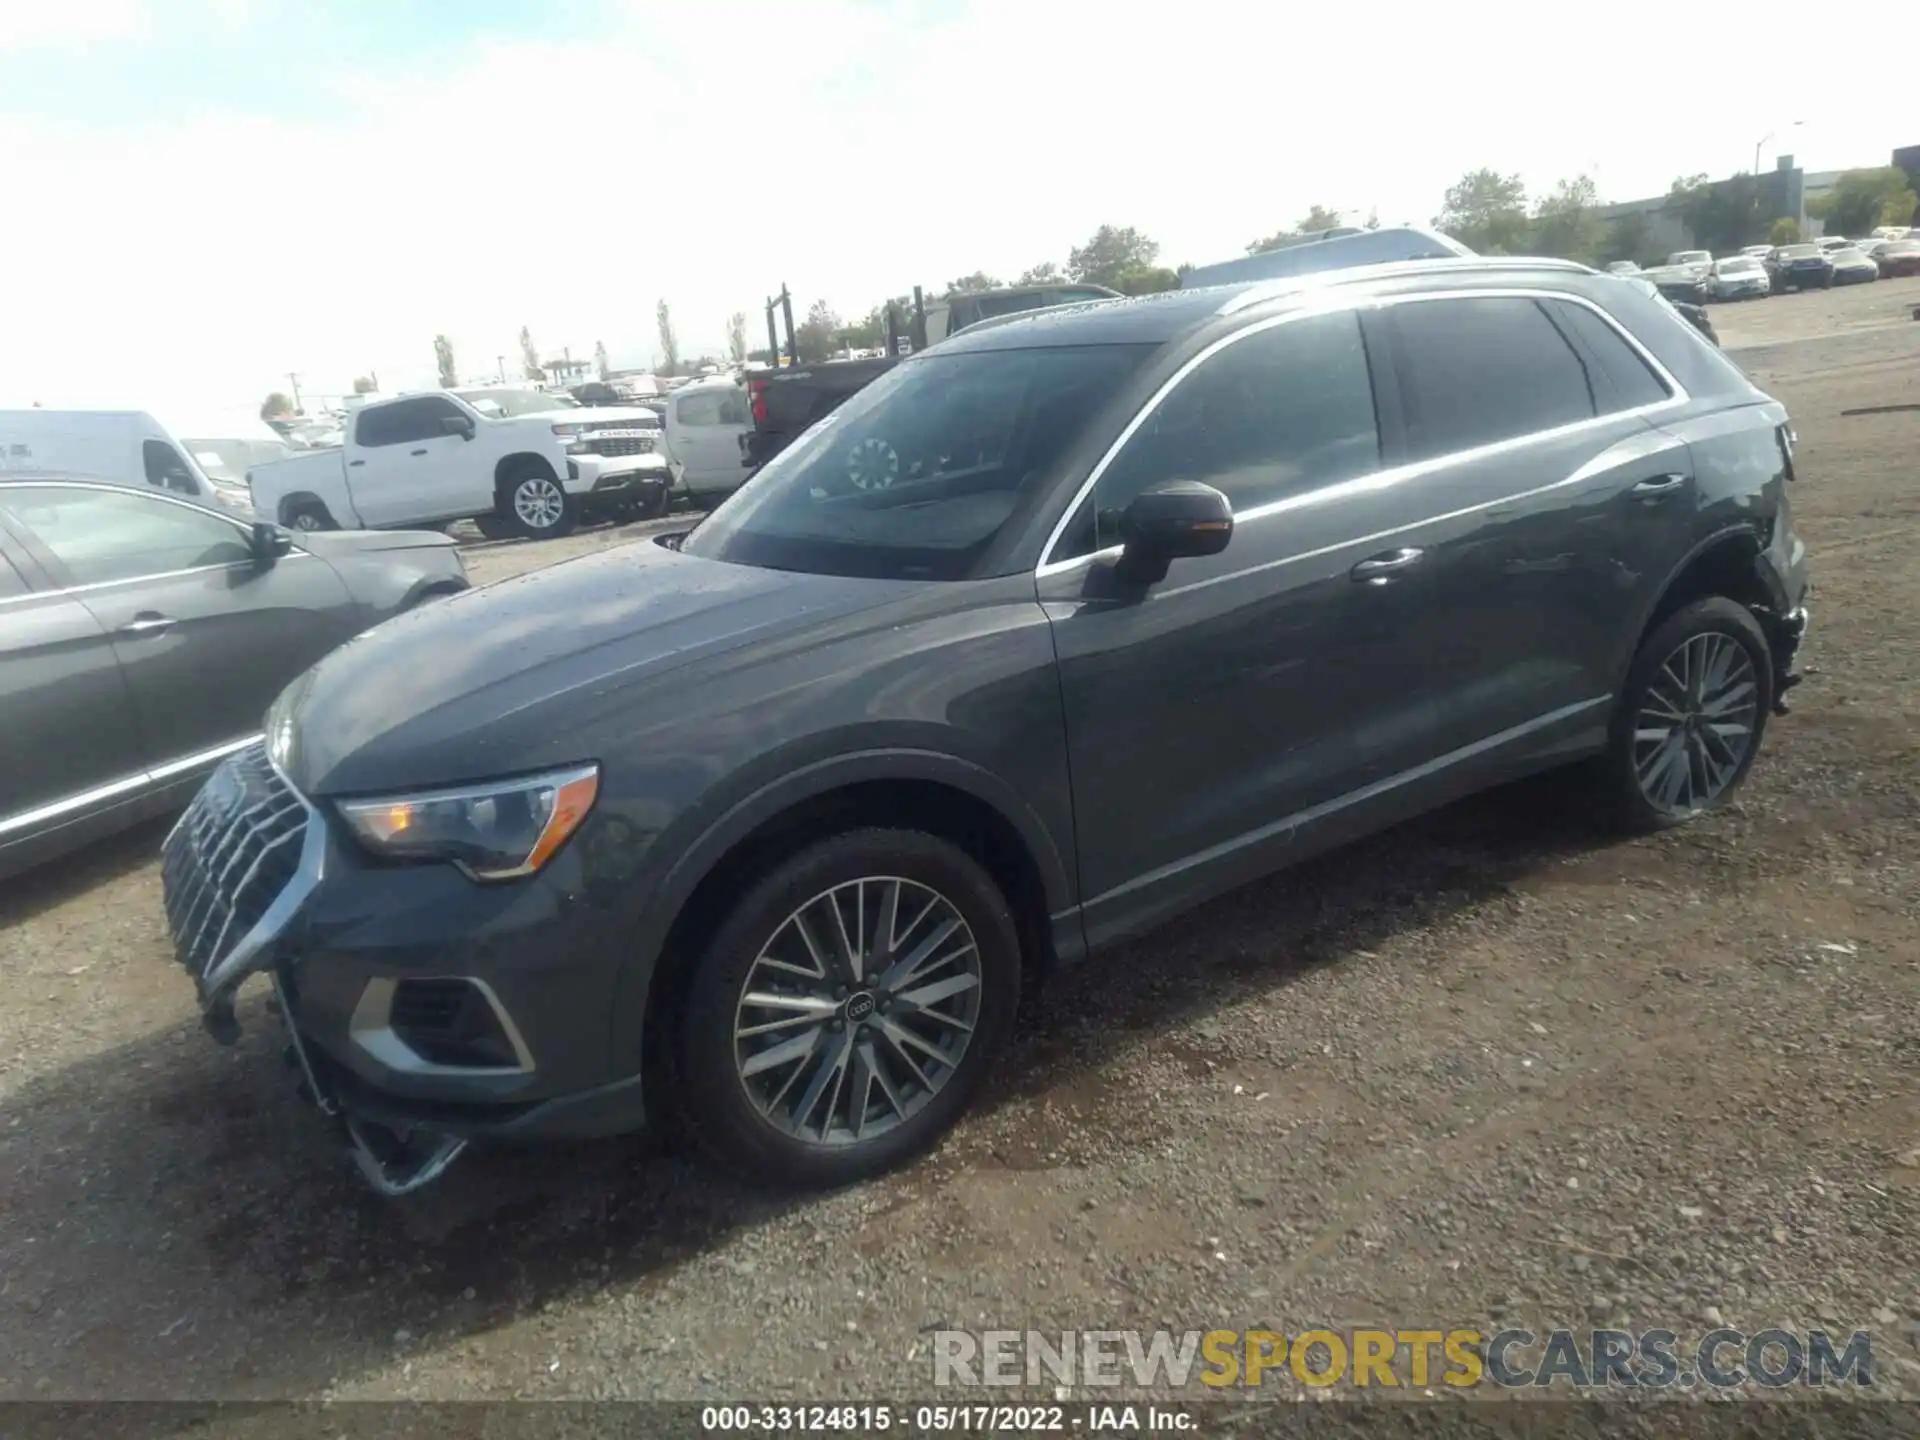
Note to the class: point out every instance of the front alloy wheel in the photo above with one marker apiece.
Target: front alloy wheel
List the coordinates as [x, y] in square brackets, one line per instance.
[845, 1010]
[858, 1010]
[539, 503]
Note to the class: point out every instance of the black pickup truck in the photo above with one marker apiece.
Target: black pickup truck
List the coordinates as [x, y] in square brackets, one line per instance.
[785, 402]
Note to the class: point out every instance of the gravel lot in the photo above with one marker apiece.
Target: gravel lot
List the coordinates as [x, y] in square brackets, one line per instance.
[1482, 1068]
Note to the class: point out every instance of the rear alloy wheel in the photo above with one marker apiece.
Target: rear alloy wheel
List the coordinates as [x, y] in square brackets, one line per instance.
[847, 1010]
[309, 518]
[1691, 719]
[536, 506]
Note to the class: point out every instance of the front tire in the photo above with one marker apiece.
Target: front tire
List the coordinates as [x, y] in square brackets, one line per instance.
[1691, 716]
[535, 506]
[847, 1009]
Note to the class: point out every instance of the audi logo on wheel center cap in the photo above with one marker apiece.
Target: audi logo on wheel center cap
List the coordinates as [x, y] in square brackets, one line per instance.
[859, 1005]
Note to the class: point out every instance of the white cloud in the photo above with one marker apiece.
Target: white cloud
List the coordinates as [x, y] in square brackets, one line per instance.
[68, 24]
[708, 153]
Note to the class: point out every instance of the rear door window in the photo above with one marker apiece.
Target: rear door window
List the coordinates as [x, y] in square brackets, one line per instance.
[1475, 371]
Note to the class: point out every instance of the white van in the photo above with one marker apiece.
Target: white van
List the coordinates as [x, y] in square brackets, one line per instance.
[704, 422]
[123, 447]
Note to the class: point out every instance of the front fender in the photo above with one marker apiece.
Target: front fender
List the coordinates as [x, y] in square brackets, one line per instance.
[660, 905]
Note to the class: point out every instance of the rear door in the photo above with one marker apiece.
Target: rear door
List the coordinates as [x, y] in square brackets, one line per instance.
[405, 468]
[1544, 474]
[68, 744]
[206, 636]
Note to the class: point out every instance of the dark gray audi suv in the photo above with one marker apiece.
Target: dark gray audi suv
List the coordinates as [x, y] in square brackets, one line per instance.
[1059, 628]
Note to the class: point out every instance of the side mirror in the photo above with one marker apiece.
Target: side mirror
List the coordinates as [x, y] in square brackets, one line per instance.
[457, 425]
[269, 542]
[1176, 521]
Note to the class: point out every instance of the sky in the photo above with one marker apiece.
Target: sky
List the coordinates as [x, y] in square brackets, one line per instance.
[204, 195]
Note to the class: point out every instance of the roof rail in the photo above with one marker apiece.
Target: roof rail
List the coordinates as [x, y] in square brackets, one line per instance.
[1263, 290]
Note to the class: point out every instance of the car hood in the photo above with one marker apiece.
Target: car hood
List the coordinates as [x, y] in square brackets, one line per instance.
[487, 682]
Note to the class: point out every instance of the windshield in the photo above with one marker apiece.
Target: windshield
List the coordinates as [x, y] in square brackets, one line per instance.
[509, 401]
[917, 474]
[1741, 265]
[1798, 252]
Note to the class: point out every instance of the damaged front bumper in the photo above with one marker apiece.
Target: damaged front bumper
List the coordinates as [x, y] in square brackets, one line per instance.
[1786, 634]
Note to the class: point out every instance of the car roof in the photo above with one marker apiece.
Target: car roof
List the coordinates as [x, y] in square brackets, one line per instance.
[1156, 319]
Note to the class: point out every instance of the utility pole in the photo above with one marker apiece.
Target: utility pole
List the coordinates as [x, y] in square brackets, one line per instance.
[294, 381]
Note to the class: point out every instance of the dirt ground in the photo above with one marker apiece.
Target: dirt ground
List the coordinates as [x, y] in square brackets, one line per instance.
[1481, 1069]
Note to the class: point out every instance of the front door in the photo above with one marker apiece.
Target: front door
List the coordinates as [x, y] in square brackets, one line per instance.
[405, 468]
[206, 635]
[1214, 717]
[67, 731]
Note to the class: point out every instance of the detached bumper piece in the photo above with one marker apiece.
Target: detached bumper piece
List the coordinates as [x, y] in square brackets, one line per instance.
[235, 872]
[1787, 634]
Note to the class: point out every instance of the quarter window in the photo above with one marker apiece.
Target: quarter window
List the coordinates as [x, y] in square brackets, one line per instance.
[103, 535]
[1281, 412]
[1629, 378]
[1477, 371]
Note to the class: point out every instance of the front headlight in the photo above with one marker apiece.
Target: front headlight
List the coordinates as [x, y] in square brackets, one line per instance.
[569, 429]
[497, 831]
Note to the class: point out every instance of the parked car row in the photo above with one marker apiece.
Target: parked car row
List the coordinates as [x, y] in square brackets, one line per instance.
[1695, 277]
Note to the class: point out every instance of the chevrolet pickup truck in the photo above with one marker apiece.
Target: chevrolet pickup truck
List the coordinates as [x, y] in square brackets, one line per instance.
[515, 461]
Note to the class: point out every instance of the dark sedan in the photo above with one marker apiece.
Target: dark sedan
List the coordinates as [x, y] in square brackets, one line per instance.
[1800, 267]
[142, 636]
[1851, 267]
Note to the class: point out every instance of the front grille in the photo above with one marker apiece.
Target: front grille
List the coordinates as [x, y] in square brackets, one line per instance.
[621, 445]
[229, 858]
[449, 1022]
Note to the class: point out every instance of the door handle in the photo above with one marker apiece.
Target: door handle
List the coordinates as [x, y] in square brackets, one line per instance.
[1382, 568]
[421, 451]
[1659, 485]
[356, 462]
[147, 622]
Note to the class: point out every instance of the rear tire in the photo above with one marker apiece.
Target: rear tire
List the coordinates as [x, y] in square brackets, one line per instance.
[492, 527]
[1690, 718]
[890, 1063]
[534, 505]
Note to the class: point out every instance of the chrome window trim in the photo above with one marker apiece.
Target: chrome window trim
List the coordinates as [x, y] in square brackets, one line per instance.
[112, 489]
[125, 785]
[1380, 479]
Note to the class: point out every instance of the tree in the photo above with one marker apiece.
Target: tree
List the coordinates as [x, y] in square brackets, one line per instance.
[1566, 224]
[1110, 253]
[1147, 280]
[1862, 199]
[364, 385]
[1784, 231]
[972, 284]
[601, 365]
[1627, 238]
[815, 336]
[1721, 215]
[737, 337]
[1315, 220]
[1487, 212]
[669, 343]
[530, 357]
[275, 407]
[443, 358]
[1045, 273]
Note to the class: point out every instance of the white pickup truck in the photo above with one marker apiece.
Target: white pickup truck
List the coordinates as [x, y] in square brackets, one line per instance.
[515, 461]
